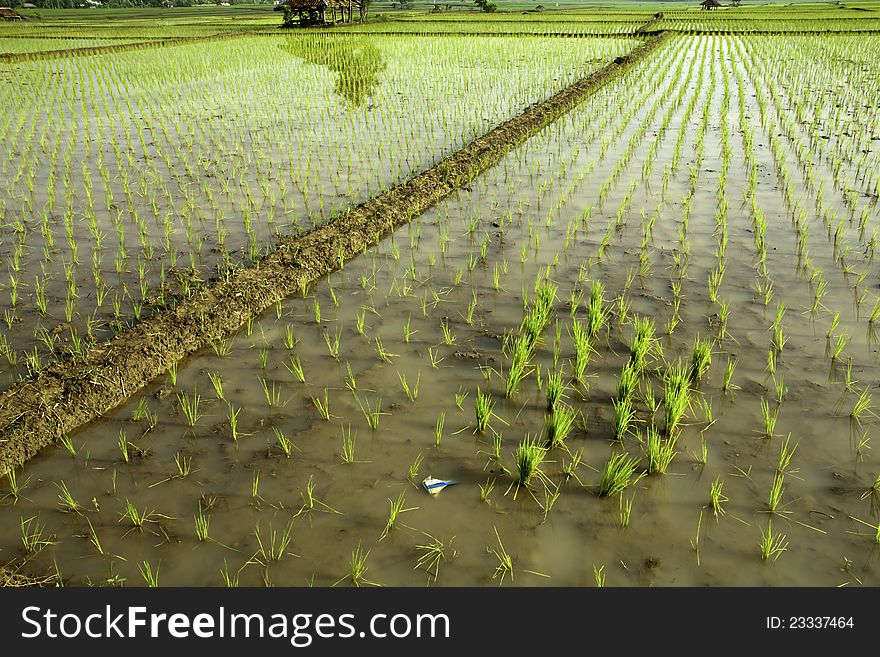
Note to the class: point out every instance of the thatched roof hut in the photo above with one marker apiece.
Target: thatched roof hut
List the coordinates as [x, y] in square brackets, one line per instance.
[315, 12]
[710, 4]
[8, 15]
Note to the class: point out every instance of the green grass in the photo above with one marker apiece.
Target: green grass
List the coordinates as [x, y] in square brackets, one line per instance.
[558, 424]
[528, 457]
[659, 452]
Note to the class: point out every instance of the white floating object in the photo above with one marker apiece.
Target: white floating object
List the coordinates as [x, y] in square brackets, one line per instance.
[434, 486]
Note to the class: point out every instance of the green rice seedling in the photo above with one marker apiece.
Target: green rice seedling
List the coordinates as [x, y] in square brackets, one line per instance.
[66, 500]
[384, 355]
[124, 445]
[357, 570]
[776, 492]
[772, 545]
[203, 524]
[65, 440]
[555, 389]
[650, 401]
[433, 356]
[558, 424]
[599, 576]
[528, 457]
[769, 418]
[333, 343]
[779, 387]
[222, 348]
[863, 406]
[285, 443]
[217, 383]
[876, 528]
[701, 359]
[323, 406]
[619, 473]
[483, 405]
[33, 538]
[370, 413]
[15, 486]
[189, 406]
[835, 320]
[348, 445]
[505, 562]
[597, 313]
[151, 577]
[438, 429]
[93, 538]
[842, 341]
[183, 465]
[642, 342]
[398, 506]
[311, 501]
[626, 510]
[658, 452]
[255, 486]
[350, 381]
[717, 499]
[407, 331]
[875, 313]
[676, 397]
[136, 518]
[411, 393]
[172, 374]
[264, 357]
[570, 469]
[413, 471]
[519, 366]
[695, 542]
[628, 382]
[624, 417]
[273, 394]
[273, 546]
[295, 368]
[486, 490]
[448, 335]
[583, 351]
[433, 553]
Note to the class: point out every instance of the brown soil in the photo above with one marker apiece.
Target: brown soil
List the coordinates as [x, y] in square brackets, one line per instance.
[11, 577]
[69, 393]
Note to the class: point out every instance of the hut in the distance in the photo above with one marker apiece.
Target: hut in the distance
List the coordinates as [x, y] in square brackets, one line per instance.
[320, 12]
[710, 4]
[8, 15]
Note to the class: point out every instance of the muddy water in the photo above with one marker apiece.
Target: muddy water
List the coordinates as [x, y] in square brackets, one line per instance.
[424, 275]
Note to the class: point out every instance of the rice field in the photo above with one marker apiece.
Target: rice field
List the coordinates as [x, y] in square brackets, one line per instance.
[642, 344]
[110, 202]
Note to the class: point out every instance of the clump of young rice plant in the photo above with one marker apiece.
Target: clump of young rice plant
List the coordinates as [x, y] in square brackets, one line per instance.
[433, 553]
[772, 545]
[483, 405]
[624, 417]
[701, 358]
[676, 398]
[558, 424]
[863, 406]
[528, 457]
[769, 417]
[554, 389]
[717, 499]
[272, 546]
[398, 506]
[189, 406]
[619, 473]
[658, 452]
[357, 571]
[642, 342]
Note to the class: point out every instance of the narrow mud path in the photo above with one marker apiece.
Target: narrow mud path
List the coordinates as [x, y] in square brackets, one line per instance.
[74, 391]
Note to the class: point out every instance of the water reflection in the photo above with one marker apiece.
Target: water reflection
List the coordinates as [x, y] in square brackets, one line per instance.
[356, 61]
